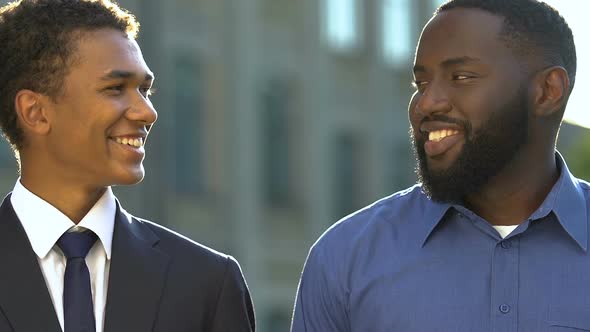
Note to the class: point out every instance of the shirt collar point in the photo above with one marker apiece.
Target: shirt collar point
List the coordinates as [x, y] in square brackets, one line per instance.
[42, 252]
[570, 205]
[434, 214]
[581, 241]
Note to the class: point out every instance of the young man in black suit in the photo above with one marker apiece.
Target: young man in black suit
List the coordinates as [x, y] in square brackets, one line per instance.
[75, 107]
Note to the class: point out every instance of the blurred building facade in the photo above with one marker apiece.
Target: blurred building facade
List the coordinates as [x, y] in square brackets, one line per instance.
[276, 118]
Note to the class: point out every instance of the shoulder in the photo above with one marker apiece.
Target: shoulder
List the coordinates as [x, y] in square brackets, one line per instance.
[201, 282]
[181, 248]
[391, 213]
[359, 243]
[390, 225]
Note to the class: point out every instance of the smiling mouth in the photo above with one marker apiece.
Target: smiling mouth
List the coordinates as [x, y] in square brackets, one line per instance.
[438, 135]
[441, 141]
[130, 141]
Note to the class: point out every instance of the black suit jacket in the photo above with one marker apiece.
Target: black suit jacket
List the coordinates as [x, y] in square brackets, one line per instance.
[158, 281]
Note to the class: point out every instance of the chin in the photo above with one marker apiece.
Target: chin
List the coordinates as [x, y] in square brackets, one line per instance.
[129, 177]
[130, 181]
[440, 165]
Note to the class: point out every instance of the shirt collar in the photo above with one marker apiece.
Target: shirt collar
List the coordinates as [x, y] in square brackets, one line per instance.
[433, 214]
[568, 203]
[45, 224]
[566, 200]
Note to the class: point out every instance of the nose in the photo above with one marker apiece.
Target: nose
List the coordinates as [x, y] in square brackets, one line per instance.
[142, 111]
[433, 99]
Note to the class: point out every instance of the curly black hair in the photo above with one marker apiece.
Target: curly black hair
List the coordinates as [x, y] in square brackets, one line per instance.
[531, 29]
[38, 39]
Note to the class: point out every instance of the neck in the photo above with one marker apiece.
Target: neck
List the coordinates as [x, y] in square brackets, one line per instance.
[514, 194]
[73, 200]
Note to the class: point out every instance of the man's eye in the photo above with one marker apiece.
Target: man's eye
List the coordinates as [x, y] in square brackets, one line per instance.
[461, 77]
[147, 91]
[418, 84]
[115, 88]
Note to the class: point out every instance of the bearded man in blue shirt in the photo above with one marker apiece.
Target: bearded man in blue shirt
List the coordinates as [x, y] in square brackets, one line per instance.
[495, 238]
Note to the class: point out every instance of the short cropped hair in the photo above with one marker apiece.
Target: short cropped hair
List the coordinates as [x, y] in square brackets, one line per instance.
[531, 29]
[37, 41]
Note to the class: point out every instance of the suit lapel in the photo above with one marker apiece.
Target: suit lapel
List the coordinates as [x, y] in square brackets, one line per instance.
[136, 277]
[24, 298]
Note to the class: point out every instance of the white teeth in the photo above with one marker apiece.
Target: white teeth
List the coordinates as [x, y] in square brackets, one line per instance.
[136, 142]
[438, 135]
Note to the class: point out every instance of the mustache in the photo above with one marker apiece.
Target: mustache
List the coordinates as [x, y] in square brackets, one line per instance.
[444, 118]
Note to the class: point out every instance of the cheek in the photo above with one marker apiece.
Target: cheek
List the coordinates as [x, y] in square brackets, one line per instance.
[412, 114]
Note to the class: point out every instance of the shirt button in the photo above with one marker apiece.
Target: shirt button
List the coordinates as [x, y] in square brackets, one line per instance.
[506, 244]
[504, 308]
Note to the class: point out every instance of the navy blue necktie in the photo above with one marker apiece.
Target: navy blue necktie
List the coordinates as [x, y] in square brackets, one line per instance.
[78, 308]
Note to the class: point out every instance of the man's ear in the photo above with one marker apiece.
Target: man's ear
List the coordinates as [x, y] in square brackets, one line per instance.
[550, 91]
[31, 112]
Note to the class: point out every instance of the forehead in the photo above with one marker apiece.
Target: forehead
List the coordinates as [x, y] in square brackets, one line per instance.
[459, 33]
[106, 50]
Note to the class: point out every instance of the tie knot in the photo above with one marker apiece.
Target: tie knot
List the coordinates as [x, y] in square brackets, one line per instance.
[76, 244]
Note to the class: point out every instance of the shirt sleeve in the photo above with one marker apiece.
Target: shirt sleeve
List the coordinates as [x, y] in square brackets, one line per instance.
[320, 304]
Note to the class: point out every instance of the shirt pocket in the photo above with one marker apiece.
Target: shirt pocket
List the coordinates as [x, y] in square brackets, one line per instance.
[569, 319]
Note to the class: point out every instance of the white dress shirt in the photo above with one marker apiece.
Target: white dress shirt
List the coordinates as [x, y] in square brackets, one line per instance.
[44, 225]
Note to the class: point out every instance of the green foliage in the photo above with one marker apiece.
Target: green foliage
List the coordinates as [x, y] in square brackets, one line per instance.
[578, 156]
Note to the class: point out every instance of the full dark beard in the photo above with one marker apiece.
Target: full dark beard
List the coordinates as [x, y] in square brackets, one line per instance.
[484, 154]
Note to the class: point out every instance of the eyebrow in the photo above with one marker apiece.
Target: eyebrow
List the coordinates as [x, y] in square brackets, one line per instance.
[118, 74]
[449, 63]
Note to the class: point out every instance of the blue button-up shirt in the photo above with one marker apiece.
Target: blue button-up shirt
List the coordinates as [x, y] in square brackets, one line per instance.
[408, 264]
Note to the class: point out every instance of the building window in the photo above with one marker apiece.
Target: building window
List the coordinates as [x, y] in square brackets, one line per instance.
[397, 34]
[276, 97]
[188, 175]
[341, 24]
[347, 175]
